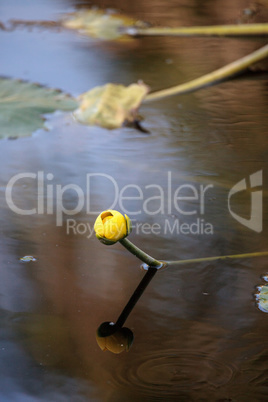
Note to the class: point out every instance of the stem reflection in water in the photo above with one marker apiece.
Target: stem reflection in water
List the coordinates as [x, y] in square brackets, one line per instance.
[113, 336]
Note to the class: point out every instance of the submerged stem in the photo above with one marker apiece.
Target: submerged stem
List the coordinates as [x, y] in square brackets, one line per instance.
[224, 257]
[216, 30]
[211, 78]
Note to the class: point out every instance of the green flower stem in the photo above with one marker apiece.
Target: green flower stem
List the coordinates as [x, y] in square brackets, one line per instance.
[212, 78]
[224, 257]
[152, 262]
[217, 30]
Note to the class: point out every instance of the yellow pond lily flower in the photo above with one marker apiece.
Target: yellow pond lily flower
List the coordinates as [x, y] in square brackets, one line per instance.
[111, 226]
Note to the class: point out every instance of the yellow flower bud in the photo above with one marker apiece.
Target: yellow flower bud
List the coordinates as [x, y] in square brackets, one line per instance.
[111, 226]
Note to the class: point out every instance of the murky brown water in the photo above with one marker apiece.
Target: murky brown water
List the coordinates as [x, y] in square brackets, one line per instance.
[199, 335]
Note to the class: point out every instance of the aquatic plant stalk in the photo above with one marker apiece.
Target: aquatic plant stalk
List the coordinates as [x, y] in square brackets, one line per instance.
[216, 30]
[212, 78]
[218, 258]
[152, 262]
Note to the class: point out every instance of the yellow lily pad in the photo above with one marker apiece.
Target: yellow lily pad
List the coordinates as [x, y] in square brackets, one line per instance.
[111, 105]
[98, 23]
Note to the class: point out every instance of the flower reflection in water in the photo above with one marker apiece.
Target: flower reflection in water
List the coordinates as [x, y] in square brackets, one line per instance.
[110, 337]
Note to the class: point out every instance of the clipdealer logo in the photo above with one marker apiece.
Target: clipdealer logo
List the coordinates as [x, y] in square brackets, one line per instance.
[186, 200]
[255, 221]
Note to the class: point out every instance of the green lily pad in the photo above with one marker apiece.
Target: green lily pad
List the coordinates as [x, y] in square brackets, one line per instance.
[111, 105]
[98, 23]
[262, 298]
[23, 104]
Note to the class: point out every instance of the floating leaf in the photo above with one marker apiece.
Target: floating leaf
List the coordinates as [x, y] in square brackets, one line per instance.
[27, 258]
[262, 298]
[97, 23]
[111, 105]
[22, 105]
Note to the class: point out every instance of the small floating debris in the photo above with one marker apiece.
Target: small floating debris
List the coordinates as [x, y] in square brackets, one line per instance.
[262, 298]
[27, 258]
[101, 24]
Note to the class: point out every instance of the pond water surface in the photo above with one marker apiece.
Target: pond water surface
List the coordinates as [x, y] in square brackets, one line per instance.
[199, 335]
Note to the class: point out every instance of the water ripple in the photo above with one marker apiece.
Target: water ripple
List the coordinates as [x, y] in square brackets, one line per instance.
[172, 372]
